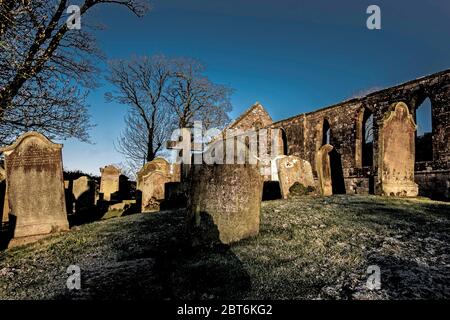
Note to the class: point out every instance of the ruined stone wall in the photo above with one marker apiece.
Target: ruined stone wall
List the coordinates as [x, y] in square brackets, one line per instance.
[304, 133]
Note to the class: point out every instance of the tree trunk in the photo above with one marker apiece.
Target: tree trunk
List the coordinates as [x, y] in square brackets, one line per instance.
[150, 151]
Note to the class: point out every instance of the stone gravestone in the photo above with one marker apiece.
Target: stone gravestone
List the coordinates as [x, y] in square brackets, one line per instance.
[35, 186]
[226, 199]
[109, 182]
[396, 154]
[151, 181]
[323, 168]
[292, 169]
[83, 191]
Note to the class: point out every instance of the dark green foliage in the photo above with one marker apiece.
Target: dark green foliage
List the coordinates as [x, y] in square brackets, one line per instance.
[298, 189]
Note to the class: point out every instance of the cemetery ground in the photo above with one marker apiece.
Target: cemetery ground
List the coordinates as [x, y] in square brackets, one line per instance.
[308, 248]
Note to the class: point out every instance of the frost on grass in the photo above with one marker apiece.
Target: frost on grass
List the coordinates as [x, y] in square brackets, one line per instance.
[308, 248]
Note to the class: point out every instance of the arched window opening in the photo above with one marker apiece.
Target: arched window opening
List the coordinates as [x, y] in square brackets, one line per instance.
[424, 133]
[367, 139]
[326, 132]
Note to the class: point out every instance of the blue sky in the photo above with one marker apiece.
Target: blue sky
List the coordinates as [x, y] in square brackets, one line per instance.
[291, 56]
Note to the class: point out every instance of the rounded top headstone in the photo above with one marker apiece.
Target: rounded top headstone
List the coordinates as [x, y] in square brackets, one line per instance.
[30, 135]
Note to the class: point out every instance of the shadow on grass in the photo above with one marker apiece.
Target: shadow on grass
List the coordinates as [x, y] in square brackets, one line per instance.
[167, 264]
[403, 278]
[417, 266]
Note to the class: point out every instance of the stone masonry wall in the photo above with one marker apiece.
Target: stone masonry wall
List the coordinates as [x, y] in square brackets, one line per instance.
[304, 133]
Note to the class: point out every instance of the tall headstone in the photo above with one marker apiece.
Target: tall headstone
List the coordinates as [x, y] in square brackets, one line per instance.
[109, 182]
[292, 169]
[396, 153]
[35, 186]
[323, 168]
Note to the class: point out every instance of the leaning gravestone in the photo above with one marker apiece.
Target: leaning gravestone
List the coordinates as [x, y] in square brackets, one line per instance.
[83, 191]
[292, 169]
[110, 181]
[35, 186]
[396, 155]
[152, 179]
[153, 193]
[323, 168]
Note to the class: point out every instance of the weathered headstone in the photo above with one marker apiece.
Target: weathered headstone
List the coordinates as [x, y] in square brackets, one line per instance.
[110, 182]
[80, 186]
[35, 186]
[225, 201]
[151, 181]
[292, 169]
[396, 154]
[156, 164]
[83, 191]
[323, 168]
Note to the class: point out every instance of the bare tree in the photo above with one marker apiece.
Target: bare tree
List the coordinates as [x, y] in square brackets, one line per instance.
[162, 94]
[140, 84]
[192, 96]
[46, 67]
[132, 142]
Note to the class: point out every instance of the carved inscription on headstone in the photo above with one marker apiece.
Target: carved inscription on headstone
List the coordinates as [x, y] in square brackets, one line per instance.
[35, 185]
[396, 153]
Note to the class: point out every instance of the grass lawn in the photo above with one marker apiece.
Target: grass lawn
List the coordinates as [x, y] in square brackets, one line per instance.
[308, 248]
